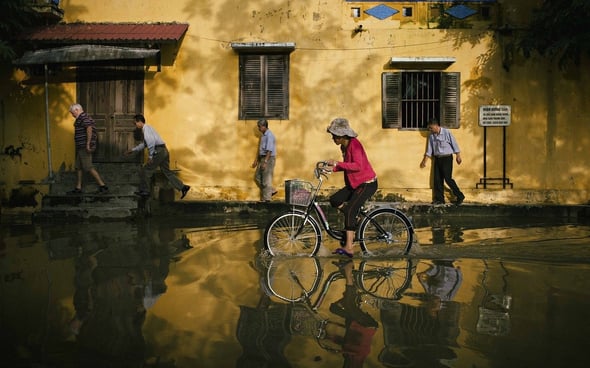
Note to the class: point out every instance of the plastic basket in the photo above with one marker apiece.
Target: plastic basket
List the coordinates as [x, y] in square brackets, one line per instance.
[298, 192]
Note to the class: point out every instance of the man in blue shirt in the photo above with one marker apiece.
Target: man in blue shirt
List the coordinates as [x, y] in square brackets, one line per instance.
[158, 156]
[441, 147]
[265, 161]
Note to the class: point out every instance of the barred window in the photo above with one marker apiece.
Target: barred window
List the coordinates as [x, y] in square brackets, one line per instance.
[264, 86]
[412, 98]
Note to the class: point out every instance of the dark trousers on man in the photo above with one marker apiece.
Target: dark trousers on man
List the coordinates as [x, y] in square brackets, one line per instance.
[443, 173]
[162, 160]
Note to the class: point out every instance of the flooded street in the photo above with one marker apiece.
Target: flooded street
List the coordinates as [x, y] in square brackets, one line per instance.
[198, 293]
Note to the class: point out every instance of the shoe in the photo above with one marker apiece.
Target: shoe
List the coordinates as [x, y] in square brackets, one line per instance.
[75, 191]
[142, 193]
[102, 189]
[437, 203]
[342, 252]
[184, 190]
[459, 201]
[341, 263]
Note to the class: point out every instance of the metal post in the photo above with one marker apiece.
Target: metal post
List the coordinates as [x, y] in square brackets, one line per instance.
[485, 174]
[504, 157]
[48, 128]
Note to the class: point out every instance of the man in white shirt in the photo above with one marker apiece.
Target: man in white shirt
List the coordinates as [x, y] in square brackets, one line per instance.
[441, 147]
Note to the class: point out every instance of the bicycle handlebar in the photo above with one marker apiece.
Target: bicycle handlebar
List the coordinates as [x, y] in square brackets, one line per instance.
[322, 168]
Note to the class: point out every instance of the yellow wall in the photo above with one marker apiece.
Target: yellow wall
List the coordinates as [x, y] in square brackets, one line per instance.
[334, 72]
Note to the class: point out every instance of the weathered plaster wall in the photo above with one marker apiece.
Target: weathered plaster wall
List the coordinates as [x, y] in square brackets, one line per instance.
[334, 72]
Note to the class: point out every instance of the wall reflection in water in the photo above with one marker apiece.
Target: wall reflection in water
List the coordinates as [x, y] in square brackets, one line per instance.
[188, 295]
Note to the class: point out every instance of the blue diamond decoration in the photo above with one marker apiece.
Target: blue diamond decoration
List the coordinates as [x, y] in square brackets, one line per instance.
[381, 11]
[460, 11]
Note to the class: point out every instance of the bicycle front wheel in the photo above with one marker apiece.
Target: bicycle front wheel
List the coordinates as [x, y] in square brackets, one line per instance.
[386, 231]
[386, 279]
[293, 233]
[292, 279]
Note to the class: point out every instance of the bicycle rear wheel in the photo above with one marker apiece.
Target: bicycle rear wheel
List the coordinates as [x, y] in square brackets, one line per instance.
[293, 233]
[386, 231]
[292, 279]
[386, 279]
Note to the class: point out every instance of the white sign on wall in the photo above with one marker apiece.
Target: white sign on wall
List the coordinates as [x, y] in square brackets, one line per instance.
[495, 115]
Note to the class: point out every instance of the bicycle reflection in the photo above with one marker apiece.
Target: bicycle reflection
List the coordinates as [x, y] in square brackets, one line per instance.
[349, 325]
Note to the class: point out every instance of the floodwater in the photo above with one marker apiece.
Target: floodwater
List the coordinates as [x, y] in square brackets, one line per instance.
[198, 293]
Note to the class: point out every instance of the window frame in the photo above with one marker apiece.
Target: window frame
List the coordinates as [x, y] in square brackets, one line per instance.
[449, 100]
[264, 85]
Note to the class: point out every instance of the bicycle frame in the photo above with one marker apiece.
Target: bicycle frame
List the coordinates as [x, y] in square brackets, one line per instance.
[315, 206]
[321, 216]
[337, 275]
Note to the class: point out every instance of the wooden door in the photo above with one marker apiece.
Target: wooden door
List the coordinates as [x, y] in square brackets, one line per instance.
[112, 96]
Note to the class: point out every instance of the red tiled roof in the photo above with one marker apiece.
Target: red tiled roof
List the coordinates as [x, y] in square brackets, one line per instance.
[108, 33]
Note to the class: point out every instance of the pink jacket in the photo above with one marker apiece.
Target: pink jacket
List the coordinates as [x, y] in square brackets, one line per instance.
[356, 166]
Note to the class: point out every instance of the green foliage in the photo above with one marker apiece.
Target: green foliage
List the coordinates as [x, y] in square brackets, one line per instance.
[558, 30]
[16, 16]
[444, 20]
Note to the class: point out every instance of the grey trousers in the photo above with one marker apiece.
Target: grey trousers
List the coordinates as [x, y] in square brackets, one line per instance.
[264, 177]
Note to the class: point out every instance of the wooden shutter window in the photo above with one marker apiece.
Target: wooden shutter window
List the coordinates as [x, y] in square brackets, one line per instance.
[264, 86]
[450, 92]
[391, 100]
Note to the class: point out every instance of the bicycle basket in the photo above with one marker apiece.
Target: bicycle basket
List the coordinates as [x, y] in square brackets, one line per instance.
[298, 192]
[303, 321]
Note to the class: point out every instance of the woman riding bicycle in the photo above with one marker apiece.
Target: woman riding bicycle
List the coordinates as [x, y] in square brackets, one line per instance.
[359, 178]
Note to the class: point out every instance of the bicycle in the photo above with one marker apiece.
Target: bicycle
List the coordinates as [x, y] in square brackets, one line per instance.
[380, 284]
[382, 230]
[295, 279]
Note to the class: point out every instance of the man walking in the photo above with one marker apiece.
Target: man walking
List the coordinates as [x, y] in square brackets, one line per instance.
[158, 156]
[265, 161]
[441, 147]
[85, 140]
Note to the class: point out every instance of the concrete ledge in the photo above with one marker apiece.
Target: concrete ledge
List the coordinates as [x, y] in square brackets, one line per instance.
[225, 208]
[72, 209]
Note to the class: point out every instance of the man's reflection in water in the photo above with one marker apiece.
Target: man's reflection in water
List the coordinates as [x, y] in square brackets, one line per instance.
[424, 335]
[445, 234]
[115, 285]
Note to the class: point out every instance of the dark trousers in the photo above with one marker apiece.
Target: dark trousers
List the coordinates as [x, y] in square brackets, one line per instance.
[354, 200]
[162, 160]
[443, 173]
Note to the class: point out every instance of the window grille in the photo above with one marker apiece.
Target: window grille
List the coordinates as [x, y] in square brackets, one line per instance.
[410, 99]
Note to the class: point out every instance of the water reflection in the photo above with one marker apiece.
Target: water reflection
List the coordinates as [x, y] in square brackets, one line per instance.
[116, 282]
[119, 272]
[494, 311]
[417, 332]
[424, 331]
[156, 294]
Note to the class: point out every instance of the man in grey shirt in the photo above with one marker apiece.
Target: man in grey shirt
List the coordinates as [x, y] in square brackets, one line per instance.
[265, 161]
[441, 147]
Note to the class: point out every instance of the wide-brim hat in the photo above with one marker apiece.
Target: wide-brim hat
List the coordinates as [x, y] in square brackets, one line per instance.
[341, 128]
